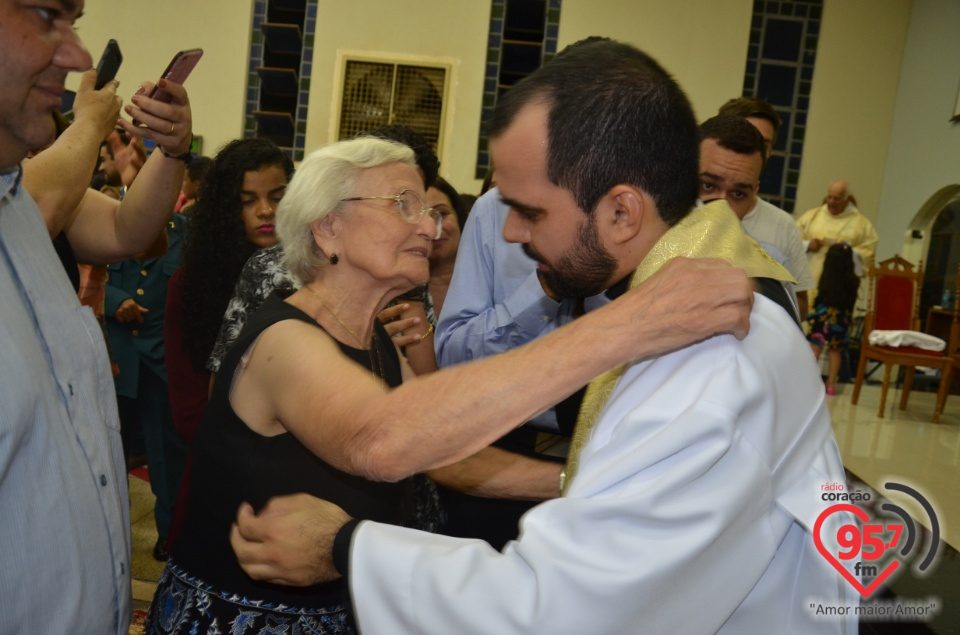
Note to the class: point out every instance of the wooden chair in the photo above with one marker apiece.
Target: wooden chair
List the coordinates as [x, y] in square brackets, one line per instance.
[893, 304]
[953, 343]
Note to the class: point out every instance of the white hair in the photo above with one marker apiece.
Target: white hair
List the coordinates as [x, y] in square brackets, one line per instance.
[322, 181]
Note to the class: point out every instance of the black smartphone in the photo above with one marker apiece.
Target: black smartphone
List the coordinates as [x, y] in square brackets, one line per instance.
[109, 64]
[177, 71]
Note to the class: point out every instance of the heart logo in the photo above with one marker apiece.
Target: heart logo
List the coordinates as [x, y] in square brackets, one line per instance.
[862, 515]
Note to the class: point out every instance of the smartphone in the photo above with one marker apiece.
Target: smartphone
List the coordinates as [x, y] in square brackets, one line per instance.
[177, 71]
[109, 64]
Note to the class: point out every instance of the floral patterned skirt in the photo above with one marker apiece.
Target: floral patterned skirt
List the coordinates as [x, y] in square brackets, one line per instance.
[185, 604]
[829, 327]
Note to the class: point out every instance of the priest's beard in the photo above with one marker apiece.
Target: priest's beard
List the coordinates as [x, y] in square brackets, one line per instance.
[585, 270]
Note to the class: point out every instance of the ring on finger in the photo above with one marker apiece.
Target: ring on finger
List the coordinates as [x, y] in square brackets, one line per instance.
[173, 127]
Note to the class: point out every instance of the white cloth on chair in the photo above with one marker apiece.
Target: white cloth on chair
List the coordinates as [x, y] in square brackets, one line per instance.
[907, 338]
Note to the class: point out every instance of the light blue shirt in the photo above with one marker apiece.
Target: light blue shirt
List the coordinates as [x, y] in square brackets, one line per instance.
[495, 301]
[64, 510]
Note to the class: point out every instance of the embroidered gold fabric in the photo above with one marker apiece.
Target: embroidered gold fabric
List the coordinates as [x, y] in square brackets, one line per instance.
[711, 231]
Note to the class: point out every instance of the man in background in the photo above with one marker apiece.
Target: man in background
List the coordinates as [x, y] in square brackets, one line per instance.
[731, 162]
[760, 114]
[837, 220]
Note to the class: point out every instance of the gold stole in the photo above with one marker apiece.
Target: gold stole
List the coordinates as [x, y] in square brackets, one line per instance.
[711, 231]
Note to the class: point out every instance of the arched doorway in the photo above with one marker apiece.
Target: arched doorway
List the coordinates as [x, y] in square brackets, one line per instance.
[933, 238]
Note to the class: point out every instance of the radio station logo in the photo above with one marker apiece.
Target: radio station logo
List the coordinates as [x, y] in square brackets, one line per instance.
[874, 548]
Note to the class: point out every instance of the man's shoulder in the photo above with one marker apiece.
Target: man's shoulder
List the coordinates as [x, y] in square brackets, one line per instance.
[488, 213]
[773, 335]
[769, 213]
[855, 211]
[728, 373]
[768, 209]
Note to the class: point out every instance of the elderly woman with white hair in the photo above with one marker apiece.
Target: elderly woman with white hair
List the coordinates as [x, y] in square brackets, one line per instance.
[315, 398]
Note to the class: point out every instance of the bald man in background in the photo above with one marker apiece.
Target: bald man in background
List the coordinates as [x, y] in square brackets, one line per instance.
[837, 220]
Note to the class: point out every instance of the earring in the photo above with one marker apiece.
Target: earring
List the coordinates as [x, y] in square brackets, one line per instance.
[334, 259]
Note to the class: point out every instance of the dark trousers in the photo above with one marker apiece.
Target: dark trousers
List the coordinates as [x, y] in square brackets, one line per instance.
[166, 450]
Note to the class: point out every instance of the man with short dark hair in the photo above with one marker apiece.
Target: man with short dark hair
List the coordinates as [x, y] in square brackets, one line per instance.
[693, 481]
[759, 113]
[731, 162]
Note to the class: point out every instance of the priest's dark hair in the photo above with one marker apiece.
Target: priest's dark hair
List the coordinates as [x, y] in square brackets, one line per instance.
[615, 116]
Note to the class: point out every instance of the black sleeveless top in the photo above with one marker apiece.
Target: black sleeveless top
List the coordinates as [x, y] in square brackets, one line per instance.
[233, 464]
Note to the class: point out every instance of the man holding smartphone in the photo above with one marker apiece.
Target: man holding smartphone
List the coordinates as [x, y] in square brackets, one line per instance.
[64, 512]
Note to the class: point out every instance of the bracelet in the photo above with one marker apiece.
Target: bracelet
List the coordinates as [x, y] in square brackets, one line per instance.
[185, 157]
[429, 331]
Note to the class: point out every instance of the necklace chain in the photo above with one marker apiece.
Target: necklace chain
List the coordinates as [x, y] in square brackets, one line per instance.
[375, 367]
[336, 317]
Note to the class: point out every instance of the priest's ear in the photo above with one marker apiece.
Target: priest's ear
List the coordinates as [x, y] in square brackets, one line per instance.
[622, 212]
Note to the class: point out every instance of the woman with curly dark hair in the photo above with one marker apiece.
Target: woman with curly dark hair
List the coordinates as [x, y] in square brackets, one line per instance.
[233, 218]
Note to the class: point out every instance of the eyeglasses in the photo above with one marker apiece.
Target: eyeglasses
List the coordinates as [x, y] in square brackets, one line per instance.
[409, 206]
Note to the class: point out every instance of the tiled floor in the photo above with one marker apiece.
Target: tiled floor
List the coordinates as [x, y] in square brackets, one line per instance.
[143, 532]
[903, 447]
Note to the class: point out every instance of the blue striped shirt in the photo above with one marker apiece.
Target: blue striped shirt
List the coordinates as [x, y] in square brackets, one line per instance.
[64, 510]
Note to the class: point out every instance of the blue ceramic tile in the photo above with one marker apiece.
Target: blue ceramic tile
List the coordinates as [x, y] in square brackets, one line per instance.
[777, 84]
[781, 40]
[772, 179]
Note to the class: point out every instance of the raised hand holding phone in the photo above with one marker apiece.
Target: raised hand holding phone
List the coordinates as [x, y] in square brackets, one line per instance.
[96, 109]
[177, 71]
[161, 112]
[109, 64]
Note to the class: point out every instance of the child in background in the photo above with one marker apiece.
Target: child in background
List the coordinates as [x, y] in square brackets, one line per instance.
[832, 314]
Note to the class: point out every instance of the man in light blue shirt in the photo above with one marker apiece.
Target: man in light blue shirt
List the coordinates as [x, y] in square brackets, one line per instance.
[64, 515]
[64, 511]
[497, 302]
